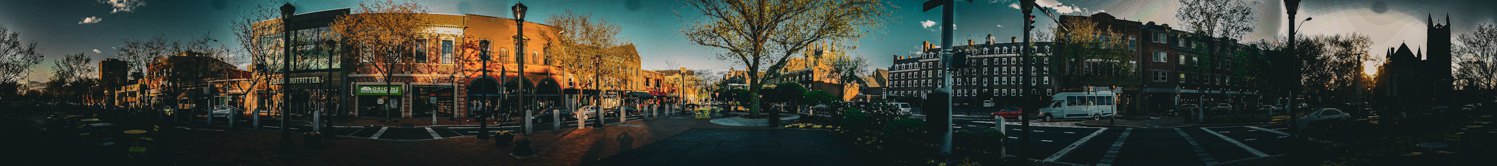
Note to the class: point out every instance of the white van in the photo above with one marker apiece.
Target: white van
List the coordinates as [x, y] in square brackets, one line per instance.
[904, 108]
[1094, 105]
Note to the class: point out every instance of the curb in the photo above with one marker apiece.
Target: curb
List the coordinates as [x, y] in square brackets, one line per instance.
[1175, 126]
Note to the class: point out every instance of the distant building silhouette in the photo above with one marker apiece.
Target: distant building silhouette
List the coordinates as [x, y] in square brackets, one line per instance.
[1420, 78]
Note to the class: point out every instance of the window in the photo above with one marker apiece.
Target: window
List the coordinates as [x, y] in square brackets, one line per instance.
[1161, 76]
[1160, 37]
[1132, 43]
[420, 51]
[1161, 57]
[446, 51]
[1182, 59]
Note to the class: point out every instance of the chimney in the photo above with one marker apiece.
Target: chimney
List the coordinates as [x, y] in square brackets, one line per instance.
[969, 42]
[991, 40]
[1013, 39]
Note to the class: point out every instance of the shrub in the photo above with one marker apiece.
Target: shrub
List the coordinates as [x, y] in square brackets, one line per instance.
[905, 127]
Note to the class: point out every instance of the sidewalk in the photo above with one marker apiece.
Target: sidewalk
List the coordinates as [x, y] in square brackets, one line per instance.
[560, 147]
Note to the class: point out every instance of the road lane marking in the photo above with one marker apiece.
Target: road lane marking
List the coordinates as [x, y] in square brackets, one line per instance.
[380, 132]
[1112, 152]
[1069, 132]
[1206, 158]
[1073, 146]
[433, 133]
[355, 131]
[1239, 144]
[1046, 140]
[1268, 130]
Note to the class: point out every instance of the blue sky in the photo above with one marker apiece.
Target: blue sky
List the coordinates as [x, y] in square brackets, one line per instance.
[654, 26]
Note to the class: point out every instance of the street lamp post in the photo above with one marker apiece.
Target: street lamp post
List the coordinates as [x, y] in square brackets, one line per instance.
[519, 12]
[286, 11]
[483, 107]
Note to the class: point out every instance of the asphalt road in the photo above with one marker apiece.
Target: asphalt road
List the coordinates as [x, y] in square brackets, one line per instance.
[1063, 143]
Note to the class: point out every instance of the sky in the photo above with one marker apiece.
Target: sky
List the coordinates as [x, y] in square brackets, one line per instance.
[97, 27]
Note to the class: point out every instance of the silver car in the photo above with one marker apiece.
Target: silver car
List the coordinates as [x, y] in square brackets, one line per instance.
[1323, 114]
[222, 111]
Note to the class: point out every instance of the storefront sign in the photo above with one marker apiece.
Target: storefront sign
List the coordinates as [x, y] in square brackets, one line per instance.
[378, 90]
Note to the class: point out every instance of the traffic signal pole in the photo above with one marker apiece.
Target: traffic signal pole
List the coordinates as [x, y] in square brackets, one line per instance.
[944, 107]
[1026, 6]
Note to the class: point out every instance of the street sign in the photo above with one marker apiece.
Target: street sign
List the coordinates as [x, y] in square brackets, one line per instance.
[378, 90]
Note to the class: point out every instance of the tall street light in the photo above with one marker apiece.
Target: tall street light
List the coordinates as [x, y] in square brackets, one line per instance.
[519, 11]
[286, 11]
[1292, 7]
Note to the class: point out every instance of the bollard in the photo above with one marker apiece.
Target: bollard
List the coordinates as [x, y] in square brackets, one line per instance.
[529, 120]
[556, 119]
[256, 119]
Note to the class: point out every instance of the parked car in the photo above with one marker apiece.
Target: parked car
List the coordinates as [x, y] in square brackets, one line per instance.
[222, 111]
[1010, 113]
[1185, 109]
[1321, 116]
[1222, 107]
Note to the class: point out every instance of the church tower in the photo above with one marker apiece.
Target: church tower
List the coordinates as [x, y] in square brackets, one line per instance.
[1438, 58]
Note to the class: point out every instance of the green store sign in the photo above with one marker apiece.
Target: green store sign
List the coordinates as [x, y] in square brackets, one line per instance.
[378, 90]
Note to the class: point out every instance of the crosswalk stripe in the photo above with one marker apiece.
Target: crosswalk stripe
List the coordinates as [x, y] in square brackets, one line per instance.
[1239, 144]
[1200, 152]
[433, 133]
[1112, 152]
[1268, 130]
[1067, 150]
[380, 132]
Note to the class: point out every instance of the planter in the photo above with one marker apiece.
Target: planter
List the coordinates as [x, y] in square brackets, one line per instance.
[312, 139]
[503, 138]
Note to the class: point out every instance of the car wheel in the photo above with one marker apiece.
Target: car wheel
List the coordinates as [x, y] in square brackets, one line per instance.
[1096, 116]
[1049, 118]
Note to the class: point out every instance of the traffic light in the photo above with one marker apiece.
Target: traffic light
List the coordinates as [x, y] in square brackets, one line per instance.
[958, 60]
[1030, 20]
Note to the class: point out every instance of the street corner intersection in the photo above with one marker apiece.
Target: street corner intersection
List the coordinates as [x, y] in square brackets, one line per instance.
[1147, 146]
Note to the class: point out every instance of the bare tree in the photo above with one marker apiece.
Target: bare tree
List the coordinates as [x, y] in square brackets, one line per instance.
[16, 59]
[383, 33]
[762, 34]
[140, 53]
[71, 68]
[70, 80]
[1476, 57]
[1218, 18]
[254, 31]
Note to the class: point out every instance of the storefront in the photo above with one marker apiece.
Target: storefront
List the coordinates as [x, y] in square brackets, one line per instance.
[432, 99]
[379, 100]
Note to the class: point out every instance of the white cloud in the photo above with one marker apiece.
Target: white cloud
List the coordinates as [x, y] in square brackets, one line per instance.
[1053, 5]
[90, 20]
[123, 5]
[1000, 25]
[96, 51]
[927, 24]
